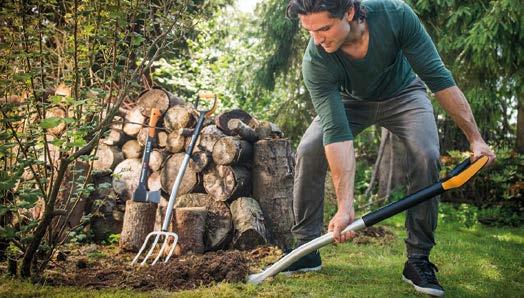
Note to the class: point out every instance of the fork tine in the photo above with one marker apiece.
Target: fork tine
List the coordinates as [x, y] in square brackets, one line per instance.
[141, 249]
[172, 247]
[150, 250]
[162, 248]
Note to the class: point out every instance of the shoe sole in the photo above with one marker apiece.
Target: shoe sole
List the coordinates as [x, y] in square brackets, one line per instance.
[303, 270]
[429, 291]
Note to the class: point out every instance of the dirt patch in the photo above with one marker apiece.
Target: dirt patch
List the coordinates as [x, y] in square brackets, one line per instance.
[103, 267]
[375, 235]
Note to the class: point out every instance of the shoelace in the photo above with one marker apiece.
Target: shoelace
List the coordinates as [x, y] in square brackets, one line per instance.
[426, 270]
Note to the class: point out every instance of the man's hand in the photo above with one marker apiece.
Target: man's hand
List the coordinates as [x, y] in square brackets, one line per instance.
[339, 222]
[480, 148]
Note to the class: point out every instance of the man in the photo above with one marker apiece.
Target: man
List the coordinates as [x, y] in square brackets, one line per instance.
[361, 68]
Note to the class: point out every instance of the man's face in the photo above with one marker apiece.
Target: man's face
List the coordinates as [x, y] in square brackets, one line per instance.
[328, 32]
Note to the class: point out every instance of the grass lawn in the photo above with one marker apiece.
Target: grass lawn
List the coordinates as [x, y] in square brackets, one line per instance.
[478, 261]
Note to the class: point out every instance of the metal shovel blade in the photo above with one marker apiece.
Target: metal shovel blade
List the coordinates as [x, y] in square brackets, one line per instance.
[162, 239]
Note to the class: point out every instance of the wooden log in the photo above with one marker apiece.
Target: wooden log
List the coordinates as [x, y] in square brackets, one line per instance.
[170, 171]
[223, 119]
[200, 160]
[156, 159]
[273, 168]
[133, 122]
[162, 139]
[175, 142]
[232, 150]
[248, 221]
[190, 227]
[179, 116]
[153, 98]
[161, 213]
[225, 183]
[115, 137]
[56, 112]
[219, 226]
[243, 130]
[139, 221]
[108, 157]
[154, 182]
[268, 130]
[208, 137]
[132, 149]
[125, 177]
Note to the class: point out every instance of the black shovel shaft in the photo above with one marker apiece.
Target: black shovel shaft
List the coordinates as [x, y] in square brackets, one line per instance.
[402, 205]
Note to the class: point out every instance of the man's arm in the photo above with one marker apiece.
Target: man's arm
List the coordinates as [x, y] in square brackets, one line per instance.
[341, 160]
[454, 102]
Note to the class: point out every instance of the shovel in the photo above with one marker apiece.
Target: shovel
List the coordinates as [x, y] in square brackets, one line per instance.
[456, 178]
[141, 193]
[171, 236]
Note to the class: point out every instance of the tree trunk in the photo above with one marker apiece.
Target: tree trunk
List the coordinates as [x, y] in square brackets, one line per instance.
[132, 149]
[248, 220]
[232, 150]
[218, 223]
[225, 183]
[273, 168]
[170, 172]
[134, 121]
[139, 221]
[108, 157]
[125, 178]
[520, 126]
[190, 227]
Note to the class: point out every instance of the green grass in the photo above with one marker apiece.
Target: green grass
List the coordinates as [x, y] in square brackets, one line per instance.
[477, 261]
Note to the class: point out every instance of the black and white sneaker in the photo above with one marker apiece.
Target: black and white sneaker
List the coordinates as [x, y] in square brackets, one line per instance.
[420, 273]
[308, 263]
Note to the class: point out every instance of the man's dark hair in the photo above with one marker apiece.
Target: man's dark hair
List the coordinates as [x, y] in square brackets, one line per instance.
[336, 8]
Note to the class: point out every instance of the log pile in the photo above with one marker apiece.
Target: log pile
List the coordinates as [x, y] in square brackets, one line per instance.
[236, 191]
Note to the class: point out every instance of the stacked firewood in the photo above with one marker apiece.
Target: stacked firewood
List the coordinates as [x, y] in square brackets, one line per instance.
[236, 191]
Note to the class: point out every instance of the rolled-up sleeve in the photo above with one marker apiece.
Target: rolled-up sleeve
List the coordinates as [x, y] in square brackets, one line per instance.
[325, 95]
[421, 52]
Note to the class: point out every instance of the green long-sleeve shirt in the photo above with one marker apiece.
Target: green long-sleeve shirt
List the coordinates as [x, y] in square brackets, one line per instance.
[399, 47]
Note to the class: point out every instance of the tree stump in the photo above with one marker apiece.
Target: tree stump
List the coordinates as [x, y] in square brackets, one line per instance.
[225, 183]
[190, 228]
[132, 149]
[170, 171]
[248, 220]
[139, 221]
[232, 150]
[273, 168]
[125, 178]
[218, 224]
[107, 158]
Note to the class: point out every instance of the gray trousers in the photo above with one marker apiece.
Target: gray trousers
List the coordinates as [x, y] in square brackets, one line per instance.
[409, 116]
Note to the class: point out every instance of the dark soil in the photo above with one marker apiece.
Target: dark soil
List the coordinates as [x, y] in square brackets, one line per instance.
[98, 266]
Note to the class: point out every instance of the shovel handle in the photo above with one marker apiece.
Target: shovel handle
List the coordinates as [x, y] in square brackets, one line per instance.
[155, 115]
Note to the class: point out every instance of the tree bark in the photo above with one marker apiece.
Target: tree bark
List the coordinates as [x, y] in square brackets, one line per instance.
[273, 170]
[139, 221]
[225, 183]
[190, 227]
[248, 220]
[218, 223]
[232, 150]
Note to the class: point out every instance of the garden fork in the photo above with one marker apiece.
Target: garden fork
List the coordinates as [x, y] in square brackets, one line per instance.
[164, 234]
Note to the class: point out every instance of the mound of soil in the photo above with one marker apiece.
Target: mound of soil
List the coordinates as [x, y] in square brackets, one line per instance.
[375, 235]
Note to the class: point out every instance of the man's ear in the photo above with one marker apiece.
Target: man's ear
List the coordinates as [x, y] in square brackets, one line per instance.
[350, 14]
